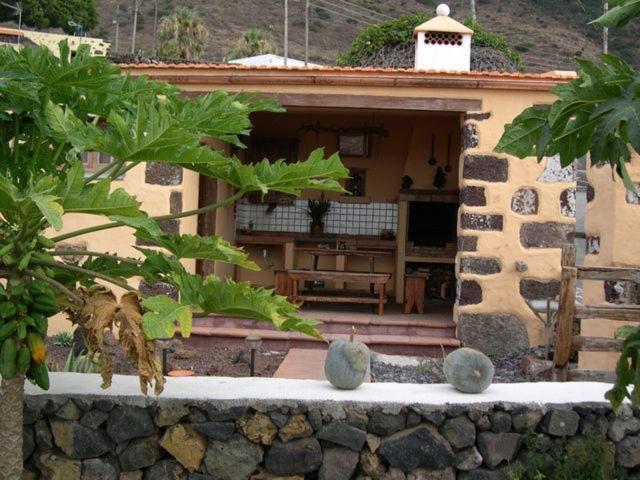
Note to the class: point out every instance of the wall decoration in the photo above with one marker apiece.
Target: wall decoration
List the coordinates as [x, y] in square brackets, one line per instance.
[353, 144]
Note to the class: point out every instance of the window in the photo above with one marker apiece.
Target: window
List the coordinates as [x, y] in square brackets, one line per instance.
[93, 161]
[355, 184]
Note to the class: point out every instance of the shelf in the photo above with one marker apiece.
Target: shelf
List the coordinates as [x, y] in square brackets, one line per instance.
[416, 258]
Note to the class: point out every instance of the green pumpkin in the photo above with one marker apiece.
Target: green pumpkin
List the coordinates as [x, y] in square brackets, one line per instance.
[468, 370]
[347, 363]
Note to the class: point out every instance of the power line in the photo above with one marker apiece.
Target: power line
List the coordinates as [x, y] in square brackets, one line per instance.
[351, 12]
[366, 9]
[345, 15]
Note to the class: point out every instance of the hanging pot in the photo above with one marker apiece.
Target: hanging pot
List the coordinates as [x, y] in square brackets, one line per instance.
[432, 160]
[448, 168]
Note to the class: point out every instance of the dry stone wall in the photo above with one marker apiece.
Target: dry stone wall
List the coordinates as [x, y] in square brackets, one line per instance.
[103, 438]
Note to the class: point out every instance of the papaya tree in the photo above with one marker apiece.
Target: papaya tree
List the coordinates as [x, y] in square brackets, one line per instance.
[51, 110]
[597, 114]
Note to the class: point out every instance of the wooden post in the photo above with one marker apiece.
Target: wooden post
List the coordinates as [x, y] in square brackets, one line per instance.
[566, 313]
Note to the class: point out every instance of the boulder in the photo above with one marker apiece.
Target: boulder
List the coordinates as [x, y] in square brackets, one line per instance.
[468, 459]
[233, 459]
[623, 426]
[498, 447]
[140, 453]
[486, 332]
[257, 427]
[338, 463]
[371, 465]
[43, 437]
[69, 411]
[165, 470]
[78, 441]
[460, 432]
[94, 419]
[215, 430]
[485, 475]
[296, 427]
[185, 444]
[171, 414]
[344, 435]
[98, 469]
[373, 442]
[522, 422]
[127, 422]
[295, 457]
[279, 418]
[417, 447]
[394, 474]
[233, 413]
[384, 424]
[135, 475]
[58, 467]
[500, 422]
[628, 452]
[28, 442]
[561, 423]
[427, 474]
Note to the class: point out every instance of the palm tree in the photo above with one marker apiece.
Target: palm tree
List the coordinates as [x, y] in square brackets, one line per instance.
[182, 35]
[253, 41]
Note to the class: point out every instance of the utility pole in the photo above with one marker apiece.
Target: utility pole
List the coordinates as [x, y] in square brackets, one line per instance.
[306, 34]
[286, 31]
[155, 26]
[136, 7]
[605, 32]
[474, 18]
[17, 8]
[116, 21]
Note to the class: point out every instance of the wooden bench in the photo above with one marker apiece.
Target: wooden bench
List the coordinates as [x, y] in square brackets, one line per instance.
[336, 296]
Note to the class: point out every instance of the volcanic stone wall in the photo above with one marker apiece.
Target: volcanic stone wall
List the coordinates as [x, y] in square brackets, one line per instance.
[95, 437]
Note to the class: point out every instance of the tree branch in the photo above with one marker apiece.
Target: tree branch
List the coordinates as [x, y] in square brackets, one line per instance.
[84, 271]
[88, 253]
[55, 284]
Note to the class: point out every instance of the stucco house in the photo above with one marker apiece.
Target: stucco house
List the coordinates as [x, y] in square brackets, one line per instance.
[430, 196]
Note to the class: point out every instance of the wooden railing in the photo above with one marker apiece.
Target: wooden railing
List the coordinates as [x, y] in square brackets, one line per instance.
[569, 311]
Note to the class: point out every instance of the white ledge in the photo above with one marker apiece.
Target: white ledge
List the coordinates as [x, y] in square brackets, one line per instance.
[273, 390]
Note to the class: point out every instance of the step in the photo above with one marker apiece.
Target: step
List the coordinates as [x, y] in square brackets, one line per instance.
[283, 341]
[365, 325]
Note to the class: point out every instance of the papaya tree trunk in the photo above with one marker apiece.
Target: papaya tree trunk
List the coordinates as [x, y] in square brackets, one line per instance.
[11, 401]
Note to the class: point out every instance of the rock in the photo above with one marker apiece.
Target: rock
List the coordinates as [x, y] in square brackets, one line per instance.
[467, 243]
[593, 425]
[394, 474]
[568, 202]
[469, 293]
[561, 423]
[460, 432]
[126, 422]
[554, 173]
[426, 474]
[196, 416]
[344, 435]
[171, 414]
[413, 419]
[163, 174]
[473, 196]
[105, 405]
[356, 418]
[628, 452]
[69, 411]
[140, 453]
[371, 465]
[338, 463]
[264, 475]
[28, 442]
[294, 458]
[373, 442]
[199, 476]
[280, 419]
[525, 421]
[621, 427]
[43, 437]
[485, 475]
[94, 418]
[531, 289]
[480, 265]
[469, 136]
[57, 467]
[468, 459]
[478, 221]
[233, 459]
[30, 414]
[500, 422]
[98, 469]
[546, 234]
[498, 447]
[29, 475]
[417, 447]
[136, 475]
[232, 413]
[436, 417]
[296, 427]
[485, 167]
[78, 441]
[525, 202]
[384, 424]
[185, 445]
[166, 470]
[215, 430]
[258, 428]
[486, 332]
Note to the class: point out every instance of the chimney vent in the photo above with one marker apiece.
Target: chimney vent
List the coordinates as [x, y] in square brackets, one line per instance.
[442, 43]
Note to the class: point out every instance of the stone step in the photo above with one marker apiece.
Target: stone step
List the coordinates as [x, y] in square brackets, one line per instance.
[204, 336]
[365, 325]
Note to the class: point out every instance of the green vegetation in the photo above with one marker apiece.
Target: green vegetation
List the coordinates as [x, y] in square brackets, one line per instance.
[54, 14]
[182, 35]
[81, 364]
[597, 114]
[63, 339]
[400, 32]
[55, 108]
[253, 42]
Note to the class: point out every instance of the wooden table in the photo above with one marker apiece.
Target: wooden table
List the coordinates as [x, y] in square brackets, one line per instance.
[370, 254]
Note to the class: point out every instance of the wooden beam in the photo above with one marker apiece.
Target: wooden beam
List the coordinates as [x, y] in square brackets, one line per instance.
[610, 312]
[566, 307]
[376, 102]
[609, 273]
[596, 344]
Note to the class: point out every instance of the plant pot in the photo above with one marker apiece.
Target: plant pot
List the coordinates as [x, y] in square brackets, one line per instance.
[316, 229]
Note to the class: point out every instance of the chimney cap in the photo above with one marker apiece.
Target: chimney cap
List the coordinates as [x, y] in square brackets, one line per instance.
[442, 23]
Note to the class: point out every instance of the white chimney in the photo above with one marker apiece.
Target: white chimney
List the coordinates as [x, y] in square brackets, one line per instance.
[442, 43]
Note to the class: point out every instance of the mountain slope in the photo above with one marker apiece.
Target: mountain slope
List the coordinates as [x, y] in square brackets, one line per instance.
[548, 33]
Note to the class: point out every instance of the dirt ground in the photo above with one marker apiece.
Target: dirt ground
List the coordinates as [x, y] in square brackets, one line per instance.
[227, 362]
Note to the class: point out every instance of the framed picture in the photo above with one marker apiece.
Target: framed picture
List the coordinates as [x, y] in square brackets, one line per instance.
[353, 145]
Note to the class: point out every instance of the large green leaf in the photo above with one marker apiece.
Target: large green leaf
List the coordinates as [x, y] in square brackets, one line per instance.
[201, 248]
[50, 209]
[97, 199]
[623, 12]
[162, 316]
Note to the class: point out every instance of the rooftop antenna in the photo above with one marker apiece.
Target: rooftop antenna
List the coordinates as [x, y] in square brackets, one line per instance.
[78, 31]
[17, 8]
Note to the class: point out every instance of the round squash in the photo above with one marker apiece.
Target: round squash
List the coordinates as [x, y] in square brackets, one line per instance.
[347, 363]
[468, 370]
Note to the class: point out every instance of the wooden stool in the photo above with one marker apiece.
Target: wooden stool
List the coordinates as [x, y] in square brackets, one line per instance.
[283, 284]
[414, 286]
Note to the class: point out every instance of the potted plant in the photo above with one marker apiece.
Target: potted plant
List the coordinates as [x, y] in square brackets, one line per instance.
[317, 209]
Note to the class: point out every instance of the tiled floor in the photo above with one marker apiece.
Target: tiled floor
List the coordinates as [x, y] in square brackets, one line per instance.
[304, 364]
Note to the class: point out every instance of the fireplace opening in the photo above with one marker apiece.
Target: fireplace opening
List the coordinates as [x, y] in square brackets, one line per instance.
[432, 224]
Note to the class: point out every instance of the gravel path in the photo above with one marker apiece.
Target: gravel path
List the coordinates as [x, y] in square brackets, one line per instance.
[387, 368]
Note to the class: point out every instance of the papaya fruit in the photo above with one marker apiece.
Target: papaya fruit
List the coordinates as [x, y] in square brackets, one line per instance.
[8, 329]
[37, 347]
[23, 359]
[8, 353]
[39, 373]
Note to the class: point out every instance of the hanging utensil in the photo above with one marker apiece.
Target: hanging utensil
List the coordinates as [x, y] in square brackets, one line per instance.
[448, 168]
[432, 160]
